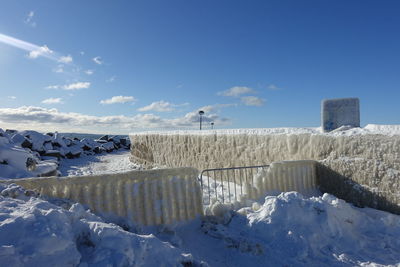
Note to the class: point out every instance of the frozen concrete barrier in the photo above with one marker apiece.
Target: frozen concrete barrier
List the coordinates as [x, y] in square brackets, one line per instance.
[365, 158]
[150, 197]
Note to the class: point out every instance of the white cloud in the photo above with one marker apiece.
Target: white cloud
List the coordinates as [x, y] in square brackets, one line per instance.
[118, 99]
[237, 91]
[65, 59]
[41, 51]
[89, 72]
[97, 60]
[273, 87]
[50, 119]
[161, 106]
[82, 53]
[76, 86]
[59, 69]
[29, 19]
[52, 101]
[53, 87]
[34, 50]
[11, 97]
[252, 101]
[111, 79]
[71, 86]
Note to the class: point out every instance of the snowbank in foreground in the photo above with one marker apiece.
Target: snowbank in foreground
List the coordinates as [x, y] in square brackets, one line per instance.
[290, 230]
[34, 232]
[285, 230]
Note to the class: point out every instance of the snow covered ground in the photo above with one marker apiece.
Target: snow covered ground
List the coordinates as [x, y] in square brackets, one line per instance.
[35, 232]
[286, 229]
[114, 162]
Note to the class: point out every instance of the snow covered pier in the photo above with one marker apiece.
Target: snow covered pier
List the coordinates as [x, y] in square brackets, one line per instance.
[360, 165]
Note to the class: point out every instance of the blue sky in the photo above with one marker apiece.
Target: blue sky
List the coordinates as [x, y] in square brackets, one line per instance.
[124, 66]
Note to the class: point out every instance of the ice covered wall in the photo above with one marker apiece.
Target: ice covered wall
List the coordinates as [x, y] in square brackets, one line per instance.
[150, 197]
[358, 158]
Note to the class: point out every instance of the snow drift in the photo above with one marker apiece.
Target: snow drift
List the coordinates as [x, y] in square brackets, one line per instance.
[34, 232]
[291, 230]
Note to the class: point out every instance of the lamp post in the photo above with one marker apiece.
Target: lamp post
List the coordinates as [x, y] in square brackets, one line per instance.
[201, 113]
[212, 125]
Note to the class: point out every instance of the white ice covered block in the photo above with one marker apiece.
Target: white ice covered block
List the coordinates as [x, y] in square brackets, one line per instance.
[285, 176]
[140, 196]
[340, 112]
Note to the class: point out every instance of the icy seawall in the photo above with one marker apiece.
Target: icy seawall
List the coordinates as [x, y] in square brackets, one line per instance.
[150, 197]
[361, 167]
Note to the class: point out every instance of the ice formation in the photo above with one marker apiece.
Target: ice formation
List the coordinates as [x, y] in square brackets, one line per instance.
[151, 197]
[340, 112]
[284, 176]
[373, 153]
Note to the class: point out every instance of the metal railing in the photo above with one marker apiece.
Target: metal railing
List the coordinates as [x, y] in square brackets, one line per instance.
[226, 184]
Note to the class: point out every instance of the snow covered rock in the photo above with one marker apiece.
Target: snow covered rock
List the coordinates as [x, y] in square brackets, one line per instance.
[109, 146]
[38, 140]
[30, 153]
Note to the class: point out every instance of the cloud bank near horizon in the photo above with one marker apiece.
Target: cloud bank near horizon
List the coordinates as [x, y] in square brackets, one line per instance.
[51, 119]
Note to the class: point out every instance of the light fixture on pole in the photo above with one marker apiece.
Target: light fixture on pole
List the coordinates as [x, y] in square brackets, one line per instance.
[212, 125]
[201, 113]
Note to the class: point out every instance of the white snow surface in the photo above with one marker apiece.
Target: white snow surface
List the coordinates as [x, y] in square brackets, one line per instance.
[114, 162]
[282, 230]
[285, 230]
[344, 130]
[35, 232]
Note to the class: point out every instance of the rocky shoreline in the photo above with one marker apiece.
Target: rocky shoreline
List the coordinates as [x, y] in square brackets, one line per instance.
[32, 154]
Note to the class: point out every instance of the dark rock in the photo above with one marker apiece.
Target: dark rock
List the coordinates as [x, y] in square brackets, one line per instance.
[100, 141]
[4, 162]
[123, 141]
[73, 155]
[30, 164]
[98, 150]
[104, 137]
[53, 153]
[50, 134]
[9, 131]
[76, 139]
[86, 147]
[55, 144]
[26, 144]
